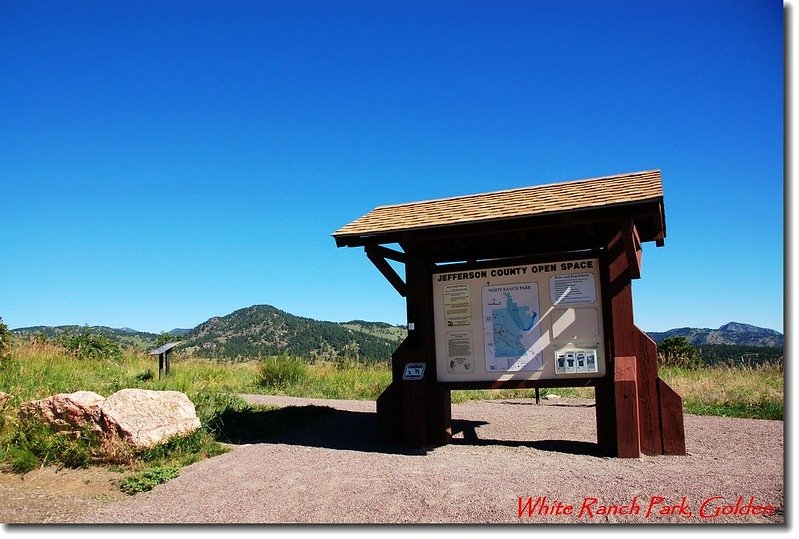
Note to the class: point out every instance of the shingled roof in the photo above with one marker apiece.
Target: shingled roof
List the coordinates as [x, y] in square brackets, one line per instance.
[537, 200]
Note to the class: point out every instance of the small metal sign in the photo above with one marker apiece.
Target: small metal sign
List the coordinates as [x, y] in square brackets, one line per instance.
[414, 371]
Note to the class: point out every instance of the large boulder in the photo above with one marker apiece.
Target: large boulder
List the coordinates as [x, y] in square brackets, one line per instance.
[65, 411]
[145, 418]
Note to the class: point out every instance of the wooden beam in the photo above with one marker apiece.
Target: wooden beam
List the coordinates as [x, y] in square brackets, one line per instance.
[660, 237]
[628, 438]
[671, 420]
[632, 249]
[387, 271]
[442, 252]
[391, 254]
[647, 380]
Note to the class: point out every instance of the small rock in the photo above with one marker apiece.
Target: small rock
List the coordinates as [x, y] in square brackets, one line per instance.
[4, 398]
[65, 411]
[551, 397]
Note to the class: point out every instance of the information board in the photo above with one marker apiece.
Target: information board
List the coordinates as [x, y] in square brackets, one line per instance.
[520, 322]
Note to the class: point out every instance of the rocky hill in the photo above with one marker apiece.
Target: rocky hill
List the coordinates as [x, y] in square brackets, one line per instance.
[733, 333]
[263, 330]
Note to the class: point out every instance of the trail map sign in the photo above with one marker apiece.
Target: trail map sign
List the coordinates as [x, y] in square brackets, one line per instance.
[522, 322]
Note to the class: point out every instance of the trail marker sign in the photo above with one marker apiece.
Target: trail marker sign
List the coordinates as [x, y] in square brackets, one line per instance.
[413, 371]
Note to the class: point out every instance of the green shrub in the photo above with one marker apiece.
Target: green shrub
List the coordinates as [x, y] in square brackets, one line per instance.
[74, 450]
[192, 443]
[146, 376]
[148, 479]
[5, 339]
[282, 372]
[165, 338]
[678, 352]
[210, 405]
[90, 346]
[21, 460]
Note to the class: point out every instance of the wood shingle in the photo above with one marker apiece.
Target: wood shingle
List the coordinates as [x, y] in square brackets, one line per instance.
[607, 191]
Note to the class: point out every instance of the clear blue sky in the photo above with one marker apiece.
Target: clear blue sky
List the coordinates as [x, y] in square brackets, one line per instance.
[165, 162]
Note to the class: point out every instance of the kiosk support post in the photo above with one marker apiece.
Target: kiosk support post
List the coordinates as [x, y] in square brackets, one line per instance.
[426, 405]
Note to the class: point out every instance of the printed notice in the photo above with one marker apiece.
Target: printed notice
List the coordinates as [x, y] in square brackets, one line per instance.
[460, 355]
[458, 305]
[511, 328]
[572, 288]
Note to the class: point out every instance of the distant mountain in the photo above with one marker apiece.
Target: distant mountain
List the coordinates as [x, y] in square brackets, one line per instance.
[733, 333]
[179, 332]
[140, 340]
[260, 330]
[263, 330]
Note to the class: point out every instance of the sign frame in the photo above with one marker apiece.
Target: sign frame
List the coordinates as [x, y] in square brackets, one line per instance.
[549, 332]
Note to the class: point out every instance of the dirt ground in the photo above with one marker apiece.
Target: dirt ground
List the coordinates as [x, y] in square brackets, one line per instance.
[509, 462]
[53, 495]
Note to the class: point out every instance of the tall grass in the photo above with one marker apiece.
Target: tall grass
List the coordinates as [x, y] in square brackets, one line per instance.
[344, 380]
[741, 390]
[734, 391]
[37, 369]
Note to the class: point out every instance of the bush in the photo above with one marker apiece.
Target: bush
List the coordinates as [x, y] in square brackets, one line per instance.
[35, 443]
[149, 479]
[21, 460]
[165, 338]
[5, 339]
[678, 352]
[210, 405]
[90, 346]
[146, 376]
[191, 444]
[282, 372]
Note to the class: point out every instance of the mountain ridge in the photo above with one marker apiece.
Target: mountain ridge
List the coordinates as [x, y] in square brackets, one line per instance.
[264, 330]
[731, 333]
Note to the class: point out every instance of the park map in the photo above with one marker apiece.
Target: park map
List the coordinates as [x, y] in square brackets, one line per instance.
[512, 334]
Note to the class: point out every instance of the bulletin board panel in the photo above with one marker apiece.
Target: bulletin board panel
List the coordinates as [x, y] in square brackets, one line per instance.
[536, 321]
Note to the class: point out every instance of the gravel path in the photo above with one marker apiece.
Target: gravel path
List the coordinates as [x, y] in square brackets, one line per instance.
[334, 471]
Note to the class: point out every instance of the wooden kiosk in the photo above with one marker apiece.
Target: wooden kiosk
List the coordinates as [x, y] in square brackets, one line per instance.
[524, 288]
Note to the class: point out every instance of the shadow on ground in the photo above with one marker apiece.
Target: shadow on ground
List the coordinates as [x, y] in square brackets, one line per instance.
[470, 437]
[322, 426]
[591, 404]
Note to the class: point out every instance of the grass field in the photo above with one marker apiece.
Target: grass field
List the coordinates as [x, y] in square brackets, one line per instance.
[39, 369]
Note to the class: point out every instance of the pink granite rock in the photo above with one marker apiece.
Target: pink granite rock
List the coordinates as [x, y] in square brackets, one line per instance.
[145, 418]
[65, 411]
